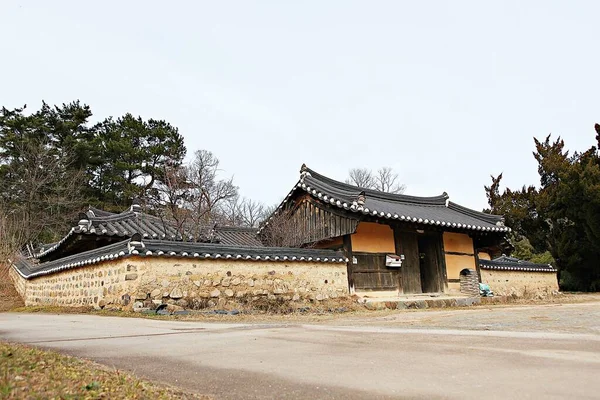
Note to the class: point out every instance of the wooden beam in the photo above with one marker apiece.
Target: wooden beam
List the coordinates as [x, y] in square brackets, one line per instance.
[348, 252]
[459, 253]
[477, 267]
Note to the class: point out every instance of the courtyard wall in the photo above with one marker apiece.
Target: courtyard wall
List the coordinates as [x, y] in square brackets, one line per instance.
[181, 281]
[520, 283]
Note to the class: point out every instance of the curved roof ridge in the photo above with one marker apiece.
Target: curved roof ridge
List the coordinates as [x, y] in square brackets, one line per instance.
[491, 218]
[235, 228]
[113, 217]
[439, 200]
[100, 213]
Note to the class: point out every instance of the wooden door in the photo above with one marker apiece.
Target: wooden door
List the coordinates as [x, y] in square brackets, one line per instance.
[370, 273]
[432, 262]
[407, 245]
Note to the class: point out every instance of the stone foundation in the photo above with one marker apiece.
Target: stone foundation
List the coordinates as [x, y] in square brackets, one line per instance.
[519, 283]
[205, 283]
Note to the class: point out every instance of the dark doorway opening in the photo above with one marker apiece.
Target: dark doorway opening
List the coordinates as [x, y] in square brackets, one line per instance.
[431, 262]
[423, 267]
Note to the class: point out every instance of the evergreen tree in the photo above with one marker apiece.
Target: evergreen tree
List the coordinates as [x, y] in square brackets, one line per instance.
[562, 217]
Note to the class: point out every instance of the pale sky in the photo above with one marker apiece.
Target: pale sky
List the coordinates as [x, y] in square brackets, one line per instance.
[446, 93]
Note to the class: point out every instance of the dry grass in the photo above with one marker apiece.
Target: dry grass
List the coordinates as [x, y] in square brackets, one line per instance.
[325, 311]
[30, 373]
[9, 298]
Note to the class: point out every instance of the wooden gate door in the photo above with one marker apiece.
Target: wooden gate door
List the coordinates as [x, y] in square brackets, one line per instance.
[371, 274]
[407, 245]
[433, 264]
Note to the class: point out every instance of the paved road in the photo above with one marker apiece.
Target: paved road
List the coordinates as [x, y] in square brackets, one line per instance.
[426, 355]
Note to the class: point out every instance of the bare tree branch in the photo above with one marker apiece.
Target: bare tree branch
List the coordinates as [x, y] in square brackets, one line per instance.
[361, 177]
[386, 180]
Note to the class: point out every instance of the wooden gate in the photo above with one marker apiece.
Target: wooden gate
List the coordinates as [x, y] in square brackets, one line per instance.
[407, 245]
[370, 273]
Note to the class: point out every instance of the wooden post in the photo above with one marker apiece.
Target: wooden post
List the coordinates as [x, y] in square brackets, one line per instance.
[476, 253]
[348, 251]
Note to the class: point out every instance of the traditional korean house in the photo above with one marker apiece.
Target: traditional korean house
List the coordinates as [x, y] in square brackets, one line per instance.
[395, 244]
[132, 259]
[344, 240]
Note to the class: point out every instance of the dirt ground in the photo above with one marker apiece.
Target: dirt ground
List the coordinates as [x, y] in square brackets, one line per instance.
[549, 351]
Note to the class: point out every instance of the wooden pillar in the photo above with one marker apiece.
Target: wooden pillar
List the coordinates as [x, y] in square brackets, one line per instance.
[476, 253]
[347, 241]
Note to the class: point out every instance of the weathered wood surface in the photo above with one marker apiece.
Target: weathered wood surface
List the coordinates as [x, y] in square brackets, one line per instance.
[319, 222]
[432, 263]
[348, 252]
[407, 245]
[370, 273]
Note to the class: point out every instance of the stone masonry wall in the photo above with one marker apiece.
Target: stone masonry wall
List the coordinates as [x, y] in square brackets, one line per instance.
[20, 283]
[157, 280]
[519, 283]
[469, 282]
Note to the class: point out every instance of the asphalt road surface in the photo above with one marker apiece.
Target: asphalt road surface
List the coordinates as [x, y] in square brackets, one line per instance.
[541, 352]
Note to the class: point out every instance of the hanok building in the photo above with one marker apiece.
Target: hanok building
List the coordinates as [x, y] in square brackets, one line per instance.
[348, 240]
[132, 258]
[394, 243]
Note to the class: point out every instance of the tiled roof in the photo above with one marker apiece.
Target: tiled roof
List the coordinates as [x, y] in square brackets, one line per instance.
[126, 224]
[435, 210]
[229, 235]
[163, 248]
[505, 263]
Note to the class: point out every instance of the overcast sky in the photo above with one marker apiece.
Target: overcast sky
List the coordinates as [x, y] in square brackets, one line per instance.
[446, 93]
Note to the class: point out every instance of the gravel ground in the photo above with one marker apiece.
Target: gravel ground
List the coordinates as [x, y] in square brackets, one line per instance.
[560, 318]
[549, 351]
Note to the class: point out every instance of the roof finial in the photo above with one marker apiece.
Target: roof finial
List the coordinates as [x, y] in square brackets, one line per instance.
[303, 172]
[135, 205]
[361, 198]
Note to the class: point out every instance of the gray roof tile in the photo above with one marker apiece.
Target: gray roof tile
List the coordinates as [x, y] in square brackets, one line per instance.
[164, 248]
[436, 210]
[128, 223]
[505, 263]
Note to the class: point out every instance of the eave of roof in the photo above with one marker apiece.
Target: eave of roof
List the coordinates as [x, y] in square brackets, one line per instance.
[229, 235]
[162, 248]
[124, 225]
[437, 210]
[519, 265]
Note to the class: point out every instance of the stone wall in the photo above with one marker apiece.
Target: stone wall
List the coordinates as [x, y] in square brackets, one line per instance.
[205, 283]
[520, 283]
[20, 283]
[469, 282]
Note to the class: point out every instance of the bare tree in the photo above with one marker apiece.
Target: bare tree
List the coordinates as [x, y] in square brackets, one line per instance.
[170, 197]
[361, 177]
[385, 180]
[244, 212]
[12, 233]
[11, 240]
[251, 212]
[209, 193]
[231, 213]
[43, 190]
